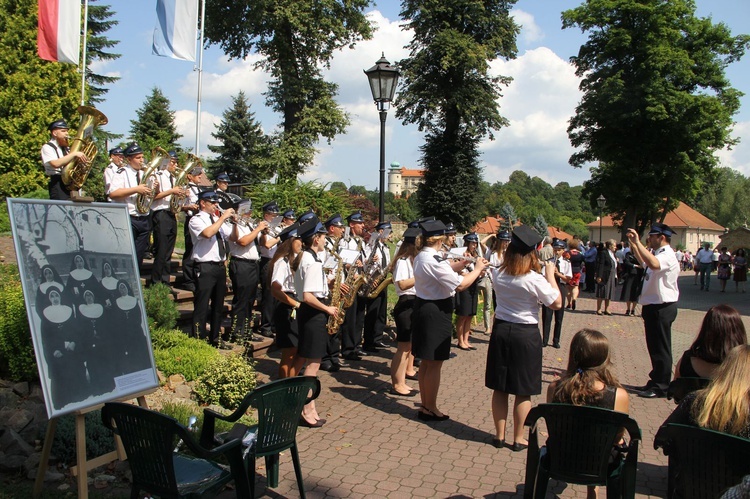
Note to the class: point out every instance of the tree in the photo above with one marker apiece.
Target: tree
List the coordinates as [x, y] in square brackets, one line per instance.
[447, 91]
[245, 150]
[33, 93]
[725, 198]
[656, 102]
[97, 45]
[540, 225]
[154, 125]
[297, 39]
[508, 214]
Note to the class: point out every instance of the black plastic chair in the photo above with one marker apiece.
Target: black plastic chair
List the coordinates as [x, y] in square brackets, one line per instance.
[149, 440]
[579, 449]
[279, 406]
[682, 386]
[702, 462]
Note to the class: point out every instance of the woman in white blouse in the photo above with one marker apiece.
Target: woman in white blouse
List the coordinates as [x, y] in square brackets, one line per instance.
[282, 289]
[514, 356]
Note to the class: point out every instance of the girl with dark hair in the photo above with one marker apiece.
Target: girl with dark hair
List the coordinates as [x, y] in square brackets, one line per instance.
[588, 380]
[724, 268]
[740, 270]
[467, 300]
[722, 330]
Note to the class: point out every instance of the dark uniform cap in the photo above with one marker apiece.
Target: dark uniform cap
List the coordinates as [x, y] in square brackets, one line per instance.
[559, 243]
[383, 226]
[335, 221]
[271, 207]
[58, 125]
[173, 154]
[310, 228]
[525, 239]
[133, 149]
[410, 234]
[209, 195]
[355, 217]
[433, 228]
[289, 214]
[309, 214]
[471, 238]
[415, 223]
[288, 232]
[116, 151]
[222, 177]
[450, 228]
[503, 235]
[659, 228]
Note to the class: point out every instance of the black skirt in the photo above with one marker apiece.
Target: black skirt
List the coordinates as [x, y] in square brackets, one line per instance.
[402, 313]
[514, 359]
[467, 301]
[313, 335]
[287, 335]
[432, 327]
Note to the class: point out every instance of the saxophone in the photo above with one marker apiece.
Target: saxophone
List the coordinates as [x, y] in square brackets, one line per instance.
[355, 280]
[335, 321]
[143, 201]
[380, 281]
[374, 274]
[74, 173]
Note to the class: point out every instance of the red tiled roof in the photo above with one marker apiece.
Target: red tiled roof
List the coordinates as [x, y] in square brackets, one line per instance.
[405, 172]
[556, 232]
[682, 217]
[490, 225]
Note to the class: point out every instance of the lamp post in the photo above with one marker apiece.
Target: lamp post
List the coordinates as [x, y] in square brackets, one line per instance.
[601, 201]
[383, 79]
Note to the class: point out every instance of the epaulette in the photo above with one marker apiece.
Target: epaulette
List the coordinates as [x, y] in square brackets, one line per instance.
[121, 169]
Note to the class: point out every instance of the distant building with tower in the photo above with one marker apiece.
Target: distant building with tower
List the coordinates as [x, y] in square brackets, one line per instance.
[403, 181]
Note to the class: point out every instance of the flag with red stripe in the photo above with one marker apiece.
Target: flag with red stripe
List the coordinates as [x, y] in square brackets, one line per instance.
[59, 35]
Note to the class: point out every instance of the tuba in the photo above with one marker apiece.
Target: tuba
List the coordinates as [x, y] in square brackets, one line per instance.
[176, 202]
[74, 173]
[143, 201]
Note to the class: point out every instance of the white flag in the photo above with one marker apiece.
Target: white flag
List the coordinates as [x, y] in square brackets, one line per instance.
[175, 34]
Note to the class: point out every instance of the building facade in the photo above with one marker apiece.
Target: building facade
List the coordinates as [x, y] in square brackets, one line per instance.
[403, 181]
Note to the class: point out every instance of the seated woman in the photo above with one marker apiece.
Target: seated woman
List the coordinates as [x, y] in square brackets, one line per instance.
[588, 379]
[721, 331]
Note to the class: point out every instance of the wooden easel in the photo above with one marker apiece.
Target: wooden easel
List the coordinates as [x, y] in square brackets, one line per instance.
[82, 465]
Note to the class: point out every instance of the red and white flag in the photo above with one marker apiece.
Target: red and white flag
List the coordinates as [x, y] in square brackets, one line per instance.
[59, 35]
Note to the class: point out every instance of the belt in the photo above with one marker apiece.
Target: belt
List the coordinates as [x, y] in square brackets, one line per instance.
[138, 217]
[211, 263]
[240, 259]
[325, 301]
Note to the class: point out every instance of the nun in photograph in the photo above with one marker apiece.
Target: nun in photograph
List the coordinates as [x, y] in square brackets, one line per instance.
[109, 281]
[50, 280]
[130, 341]
[80, 279]
[62, 351]
[97, 346]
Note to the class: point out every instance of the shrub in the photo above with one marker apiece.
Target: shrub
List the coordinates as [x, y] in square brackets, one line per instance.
[226, 382]
[17, 360]
[159, 305]
[99, 439]
[176, 353]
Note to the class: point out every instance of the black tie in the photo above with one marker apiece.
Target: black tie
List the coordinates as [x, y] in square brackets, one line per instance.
[171, 180]
[138, 177]
[219, 241]
[382, 252]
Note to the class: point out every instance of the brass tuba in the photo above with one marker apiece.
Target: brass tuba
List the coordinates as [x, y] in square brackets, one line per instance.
[143, 201]
[176, 202]
[74, 173]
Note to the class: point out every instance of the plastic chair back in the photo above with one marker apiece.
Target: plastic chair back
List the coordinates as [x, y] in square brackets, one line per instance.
[702, 462]
[680, 387]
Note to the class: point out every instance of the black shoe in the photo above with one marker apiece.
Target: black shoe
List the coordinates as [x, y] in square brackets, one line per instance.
[189, 287]
[339, 363]
[370, 349]
[643, 388]
[329, 367]
[555, 345]
[429, 416]
[545, 345]
[413, 377]
[361, 353]
[410, 394]
[652, 393]
[266, 333]
[379, 344]
[574, 305]
[319, 423]
[352, 356]
[498, 443]
[518, 447]
[417, 362]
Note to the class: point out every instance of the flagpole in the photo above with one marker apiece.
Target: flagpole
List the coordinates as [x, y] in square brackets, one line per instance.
[85, 37]
[200, 80]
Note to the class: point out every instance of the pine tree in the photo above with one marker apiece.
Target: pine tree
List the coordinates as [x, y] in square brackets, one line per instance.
[508, 214]
[155, 124]
[540, 225]
[244, 153]
[97, 47]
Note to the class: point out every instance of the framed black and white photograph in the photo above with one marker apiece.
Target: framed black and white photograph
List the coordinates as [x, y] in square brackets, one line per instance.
[83, 300]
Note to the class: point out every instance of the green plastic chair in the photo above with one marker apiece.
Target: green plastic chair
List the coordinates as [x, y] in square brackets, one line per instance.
[279, 406]
[578, 450]
[680, 387]
[702, 462]
[149, 440]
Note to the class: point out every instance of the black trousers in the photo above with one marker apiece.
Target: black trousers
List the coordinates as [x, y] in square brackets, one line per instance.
[165, 235]
[351, 329]
[244, 276]
[141, 226]
[657, 321]
[208, 302]
[375, 319]
[267, 303]
[57, 189]
[188, 265]
[590, 276]
[547, 315]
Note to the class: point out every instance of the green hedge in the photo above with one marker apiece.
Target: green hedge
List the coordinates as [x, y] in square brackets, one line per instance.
[226, 382]
[17, 360]
[176, 353]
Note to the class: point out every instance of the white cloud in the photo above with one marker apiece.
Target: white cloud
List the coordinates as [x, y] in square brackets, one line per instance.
[531, 32]
[185, 124]
[738, 158]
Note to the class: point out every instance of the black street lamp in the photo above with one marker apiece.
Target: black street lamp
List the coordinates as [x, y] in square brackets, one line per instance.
[383, 79]
[601, 201]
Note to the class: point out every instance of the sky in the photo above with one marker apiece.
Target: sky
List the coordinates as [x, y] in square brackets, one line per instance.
[538, 103]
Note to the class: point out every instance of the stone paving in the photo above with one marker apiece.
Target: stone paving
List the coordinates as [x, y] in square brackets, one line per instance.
[374, 446]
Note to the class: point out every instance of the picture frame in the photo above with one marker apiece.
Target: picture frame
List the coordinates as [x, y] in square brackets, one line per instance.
[84, 302]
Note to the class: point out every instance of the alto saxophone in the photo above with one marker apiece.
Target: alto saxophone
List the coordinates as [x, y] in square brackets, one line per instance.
[337, 300]
[176, 202]
[380, 281]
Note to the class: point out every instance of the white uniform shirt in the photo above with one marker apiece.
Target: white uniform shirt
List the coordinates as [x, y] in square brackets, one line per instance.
[282, 273]
[310, 276]
[494, 260]
[192, 196]
[403, 270]
[166, 182]
[249, 252]
[660, 286]
[52, 150]
[125, 177]
[518, 297]
[109, 173]
[564, 267]
[434, 280]
[206, 249]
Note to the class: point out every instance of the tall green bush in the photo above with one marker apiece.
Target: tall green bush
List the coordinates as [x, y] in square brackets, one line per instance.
[17, 360]
[226, 382]
[160, 307]
[176, 353]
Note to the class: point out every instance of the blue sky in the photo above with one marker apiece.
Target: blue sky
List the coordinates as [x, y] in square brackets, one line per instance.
[538, 103]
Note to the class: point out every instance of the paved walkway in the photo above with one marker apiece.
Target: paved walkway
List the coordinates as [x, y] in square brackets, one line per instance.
[373, 445]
